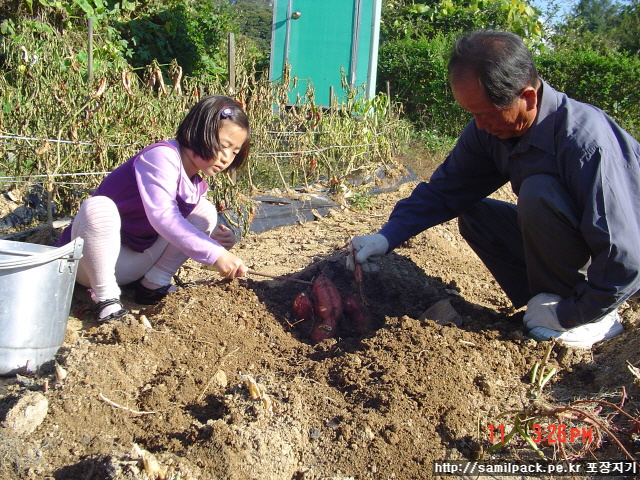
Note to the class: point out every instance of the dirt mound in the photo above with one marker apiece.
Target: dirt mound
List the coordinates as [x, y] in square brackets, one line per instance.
[226, 385]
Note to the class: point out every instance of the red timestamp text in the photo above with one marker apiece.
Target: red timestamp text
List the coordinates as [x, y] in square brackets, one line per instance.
[551, 433]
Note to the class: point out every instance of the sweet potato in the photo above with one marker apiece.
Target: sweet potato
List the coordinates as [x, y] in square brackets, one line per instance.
[303, 307]
[327, 307]
[357, 314]
[357, 273]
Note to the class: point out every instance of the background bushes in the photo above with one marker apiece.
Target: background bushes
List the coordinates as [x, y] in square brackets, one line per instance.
[416, 69]
[417, 74]
[610, 82]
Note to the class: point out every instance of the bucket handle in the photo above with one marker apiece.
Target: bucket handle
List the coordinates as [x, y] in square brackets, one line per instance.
[47, 257]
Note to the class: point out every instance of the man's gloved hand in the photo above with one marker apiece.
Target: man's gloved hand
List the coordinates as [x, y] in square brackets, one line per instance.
[367, 250]
[541, 312]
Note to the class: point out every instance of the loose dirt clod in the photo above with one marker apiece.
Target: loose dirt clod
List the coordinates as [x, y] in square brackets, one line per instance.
[150, 463]
[27, 414]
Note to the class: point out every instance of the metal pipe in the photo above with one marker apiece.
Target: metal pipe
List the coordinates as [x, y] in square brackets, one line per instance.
[355, 39]
[90, 50]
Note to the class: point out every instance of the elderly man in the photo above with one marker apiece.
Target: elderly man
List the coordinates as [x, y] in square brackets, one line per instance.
[570, 248]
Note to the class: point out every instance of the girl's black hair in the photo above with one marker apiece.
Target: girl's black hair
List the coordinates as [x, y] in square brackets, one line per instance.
[199, 129]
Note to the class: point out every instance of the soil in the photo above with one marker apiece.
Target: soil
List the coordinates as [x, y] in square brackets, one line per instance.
[226, 384]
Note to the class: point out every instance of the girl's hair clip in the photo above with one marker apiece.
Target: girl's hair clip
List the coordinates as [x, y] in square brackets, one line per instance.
[226, 112]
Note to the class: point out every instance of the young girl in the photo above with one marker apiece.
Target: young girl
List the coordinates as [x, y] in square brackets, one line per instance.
[150, 214]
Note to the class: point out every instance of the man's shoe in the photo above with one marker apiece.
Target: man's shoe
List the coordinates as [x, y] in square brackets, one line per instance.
[583, 336]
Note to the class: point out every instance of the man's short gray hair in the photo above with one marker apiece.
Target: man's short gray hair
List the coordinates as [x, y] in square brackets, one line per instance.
[501, 61]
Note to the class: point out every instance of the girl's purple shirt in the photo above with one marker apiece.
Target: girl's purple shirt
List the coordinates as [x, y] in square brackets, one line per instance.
[154, 196]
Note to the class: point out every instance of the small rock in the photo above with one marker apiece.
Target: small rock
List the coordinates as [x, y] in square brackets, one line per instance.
[391, 437]
[486, 385]
[221, 378]
[408, 323]
[356, 361]
[442, 313]
[25, 381]
[27, 414]
[401, 370]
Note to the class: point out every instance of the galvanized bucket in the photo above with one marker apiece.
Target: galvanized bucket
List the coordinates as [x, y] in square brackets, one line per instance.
[36, 286]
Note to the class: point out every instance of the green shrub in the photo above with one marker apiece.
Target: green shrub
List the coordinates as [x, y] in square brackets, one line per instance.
[193, 34]
[416, 70]
[610, 82]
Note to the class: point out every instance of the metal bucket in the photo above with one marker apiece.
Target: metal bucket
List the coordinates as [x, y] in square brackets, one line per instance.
[36, 286]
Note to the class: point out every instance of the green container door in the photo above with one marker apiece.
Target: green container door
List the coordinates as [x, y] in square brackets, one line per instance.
[318, 38]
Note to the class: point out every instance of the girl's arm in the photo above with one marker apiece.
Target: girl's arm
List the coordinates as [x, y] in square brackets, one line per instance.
[230, 266]
[160, 179]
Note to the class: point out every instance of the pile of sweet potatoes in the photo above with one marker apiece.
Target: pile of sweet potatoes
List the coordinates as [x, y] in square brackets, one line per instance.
[326, 308]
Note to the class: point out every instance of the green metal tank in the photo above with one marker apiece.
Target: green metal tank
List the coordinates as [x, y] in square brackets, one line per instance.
[322, 38]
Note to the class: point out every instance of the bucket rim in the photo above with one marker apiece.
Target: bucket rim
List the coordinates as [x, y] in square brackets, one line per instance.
[73, 248]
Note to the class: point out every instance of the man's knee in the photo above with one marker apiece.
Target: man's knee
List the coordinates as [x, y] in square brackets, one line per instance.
[542, 197]
[463, 226]
[466, 222]
[477, 218]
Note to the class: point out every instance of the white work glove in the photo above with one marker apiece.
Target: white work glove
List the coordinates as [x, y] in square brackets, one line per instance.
[367, 250]
[541, 312]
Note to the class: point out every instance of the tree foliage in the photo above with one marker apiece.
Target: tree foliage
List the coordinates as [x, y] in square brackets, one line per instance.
[427, 18]
[416, 37]
[604, 25]
[254, 19]
[416, 72]
[193, 33]
[139, 32]
[610, 82]
[628, 33]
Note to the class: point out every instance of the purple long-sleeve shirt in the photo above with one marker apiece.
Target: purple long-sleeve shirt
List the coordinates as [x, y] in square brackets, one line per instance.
[596, 160]
[154, 196]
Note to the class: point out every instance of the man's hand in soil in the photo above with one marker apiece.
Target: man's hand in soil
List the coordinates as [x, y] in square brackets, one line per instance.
[367, 250]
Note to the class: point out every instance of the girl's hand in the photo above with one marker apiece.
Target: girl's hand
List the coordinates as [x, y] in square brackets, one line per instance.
[230, 266]
[224, 236]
